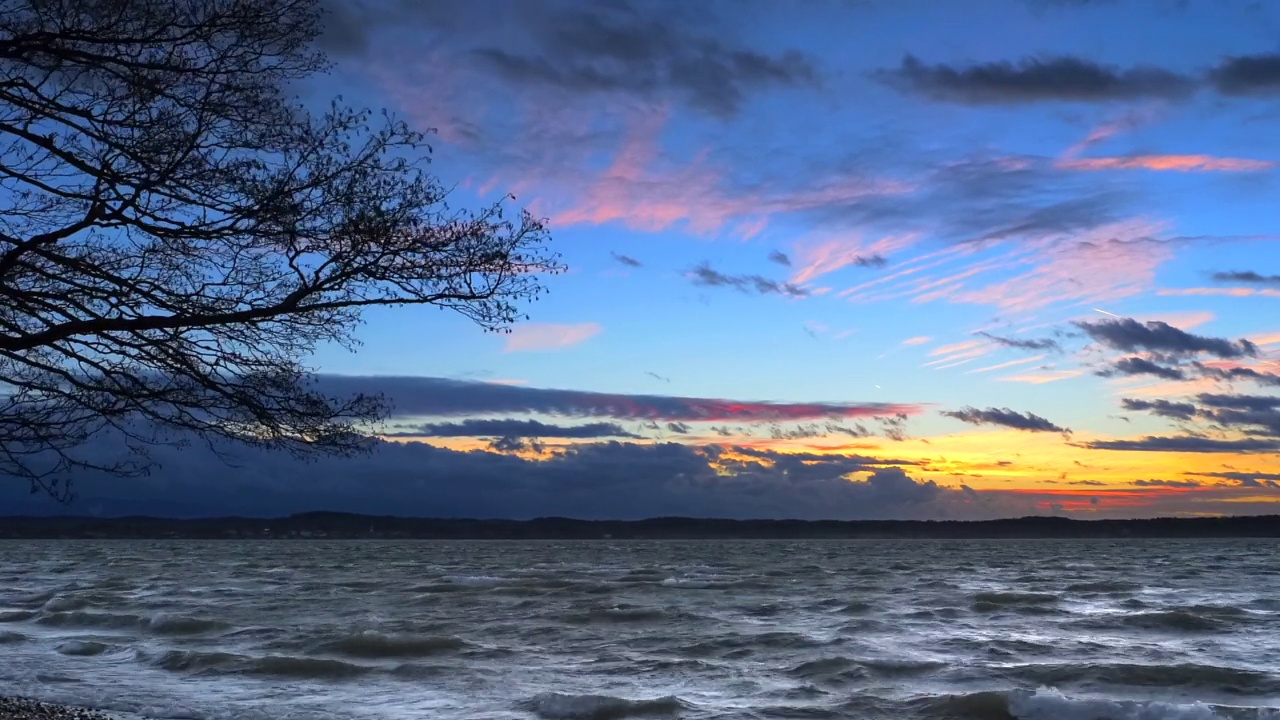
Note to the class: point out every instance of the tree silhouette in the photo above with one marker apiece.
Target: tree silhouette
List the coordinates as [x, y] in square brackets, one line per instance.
[177, 234]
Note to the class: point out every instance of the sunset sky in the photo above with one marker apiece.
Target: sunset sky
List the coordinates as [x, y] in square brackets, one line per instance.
[827, 258]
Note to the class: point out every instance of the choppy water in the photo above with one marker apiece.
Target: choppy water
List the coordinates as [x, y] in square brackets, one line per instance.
[1077, 630]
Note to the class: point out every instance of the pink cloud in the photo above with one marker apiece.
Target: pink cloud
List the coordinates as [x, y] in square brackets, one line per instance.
[959, 347]
[1165, 163]
[816, 260]
[1228, 292]
[549, 336]
[1004, 365]
[1046, 376]
[1129, 121]
[643, 191]
[1107, 263]
[921, 340]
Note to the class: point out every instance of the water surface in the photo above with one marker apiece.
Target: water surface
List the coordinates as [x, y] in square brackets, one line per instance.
[276, 630]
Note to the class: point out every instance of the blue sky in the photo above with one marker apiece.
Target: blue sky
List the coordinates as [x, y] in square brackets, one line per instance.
[998, 205]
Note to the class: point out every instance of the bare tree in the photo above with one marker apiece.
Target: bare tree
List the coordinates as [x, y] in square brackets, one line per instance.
[177, 234]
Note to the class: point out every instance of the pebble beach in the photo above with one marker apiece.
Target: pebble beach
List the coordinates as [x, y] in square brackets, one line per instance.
[17, 708]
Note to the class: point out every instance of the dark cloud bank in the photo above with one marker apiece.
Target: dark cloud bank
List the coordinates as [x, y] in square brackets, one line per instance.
[600, 480]
[442, 397]
[642, 49]
[1074, 79]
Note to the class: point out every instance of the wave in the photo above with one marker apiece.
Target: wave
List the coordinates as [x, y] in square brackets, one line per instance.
[986, 705]
[1049, 704]
[473, 580]
[160, 624]
[10, 638]
[81, 648]
[624, 615]
[829, 671]
[739, 645]
[856, 607]
[844, 669]
[81, 618]
[63, 603]
[1180, 620]
[992, 601]
[283, 666]
[1186, 675]
[701, 584]
[16, 615]
[374, 645]
[1105, 586]
[178, 625]
[558, 706]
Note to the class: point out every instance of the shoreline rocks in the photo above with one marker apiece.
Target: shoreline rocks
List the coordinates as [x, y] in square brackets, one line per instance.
[19, 708]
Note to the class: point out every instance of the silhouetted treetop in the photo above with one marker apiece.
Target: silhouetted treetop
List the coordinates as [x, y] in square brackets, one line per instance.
[177, 233]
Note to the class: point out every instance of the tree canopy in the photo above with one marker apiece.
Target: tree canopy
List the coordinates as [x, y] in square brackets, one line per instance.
[178, 234]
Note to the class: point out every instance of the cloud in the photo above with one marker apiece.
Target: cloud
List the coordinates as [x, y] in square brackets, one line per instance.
[1004, 417]
[1239, 402]
[628, 48]
[1163, 408]
[1265, 423]
[1007, 365]
[1230, 374]
[619, 480]
[1034, 80]
[642, 50]
[1187, 444]
[705, 276]
[918, 340]
[627, 260]
[1247, 75]
[1246, 479]
[1246, 276]
[1142, 366]
[1168, 483]
[780, 258]
[510, 428]
[1028, 344]
[1041, 378]
[440, 397]
[529, 337]
[1129, 335]
[1176, 163]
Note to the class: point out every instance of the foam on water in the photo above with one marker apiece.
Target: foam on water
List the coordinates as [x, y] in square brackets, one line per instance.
[1050, 704]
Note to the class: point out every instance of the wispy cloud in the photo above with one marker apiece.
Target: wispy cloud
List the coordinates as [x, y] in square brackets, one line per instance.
[814, 261]
[1177, 163]
[528, 337]
[1043, 377]
[1005, 365]
[1023, 343]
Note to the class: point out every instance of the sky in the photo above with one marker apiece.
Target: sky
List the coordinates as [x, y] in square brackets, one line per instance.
[826, 259]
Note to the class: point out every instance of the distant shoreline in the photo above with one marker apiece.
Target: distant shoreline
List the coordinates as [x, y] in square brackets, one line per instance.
[333, 525]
